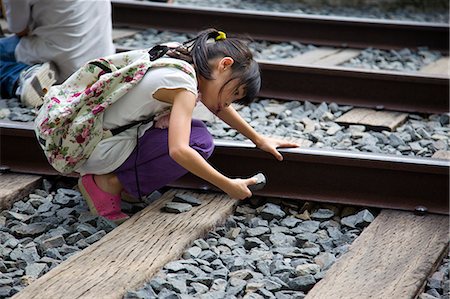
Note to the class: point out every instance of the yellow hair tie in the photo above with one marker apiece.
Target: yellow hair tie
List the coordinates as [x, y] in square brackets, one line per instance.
[221, 36]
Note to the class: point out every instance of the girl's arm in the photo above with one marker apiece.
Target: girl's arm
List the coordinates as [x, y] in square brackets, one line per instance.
[230, 116]
[190, 159]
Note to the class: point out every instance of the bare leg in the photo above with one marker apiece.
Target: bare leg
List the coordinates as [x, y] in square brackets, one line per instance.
[108, 183]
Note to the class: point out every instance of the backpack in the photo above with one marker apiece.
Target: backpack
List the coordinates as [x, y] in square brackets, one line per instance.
[70, 122]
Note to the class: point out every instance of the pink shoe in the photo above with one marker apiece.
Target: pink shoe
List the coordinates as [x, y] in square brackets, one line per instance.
[100, 202]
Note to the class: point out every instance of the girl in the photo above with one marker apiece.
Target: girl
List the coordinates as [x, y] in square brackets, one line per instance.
[221, 70]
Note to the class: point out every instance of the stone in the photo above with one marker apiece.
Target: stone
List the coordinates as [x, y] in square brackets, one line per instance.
[177, 207]
[73, 238]
[192, 252]
[86, 229]
[186, 198]
[361, 219]
[201, 243]
[53, 242]
[306, 269]
[322, 214]
[257, 231]
[227, 242]
[271, 211]
[17, 216]
[302, 283]
[95, 237]
[35, 270]
[325, 260]
[199, 288]
[254, 242]
[310, 226]
[29, 230]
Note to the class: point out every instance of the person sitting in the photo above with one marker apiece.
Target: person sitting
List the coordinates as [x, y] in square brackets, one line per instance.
[51, 40]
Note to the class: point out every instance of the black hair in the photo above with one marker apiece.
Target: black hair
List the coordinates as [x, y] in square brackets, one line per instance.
[204, 47]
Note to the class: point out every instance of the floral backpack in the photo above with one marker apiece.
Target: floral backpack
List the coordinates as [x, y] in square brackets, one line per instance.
[70, 122]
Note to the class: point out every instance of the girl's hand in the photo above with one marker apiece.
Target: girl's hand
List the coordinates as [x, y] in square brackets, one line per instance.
[270, 145]
[238, 188]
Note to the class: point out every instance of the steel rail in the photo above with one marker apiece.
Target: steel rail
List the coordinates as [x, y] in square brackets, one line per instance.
[314, 29]
[366, 88]
[410, 92]
[363, 179]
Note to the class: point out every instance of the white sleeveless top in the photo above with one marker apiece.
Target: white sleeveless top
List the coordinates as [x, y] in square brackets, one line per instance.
[137, 104]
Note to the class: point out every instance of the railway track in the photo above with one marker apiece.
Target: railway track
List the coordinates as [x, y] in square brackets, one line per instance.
[350, 178]
[292, 80]
[121, 261]
[320, 30]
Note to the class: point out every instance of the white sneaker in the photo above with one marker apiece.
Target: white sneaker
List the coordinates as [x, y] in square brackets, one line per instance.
[34, 83]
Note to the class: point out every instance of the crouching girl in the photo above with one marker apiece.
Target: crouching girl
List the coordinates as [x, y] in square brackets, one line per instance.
[212, 68]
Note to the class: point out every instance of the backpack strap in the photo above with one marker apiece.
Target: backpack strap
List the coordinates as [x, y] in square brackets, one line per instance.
[101, 65]
[130, 125]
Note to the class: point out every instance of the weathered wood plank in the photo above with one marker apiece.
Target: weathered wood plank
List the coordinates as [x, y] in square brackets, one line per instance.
[440, 66]
[444, 155]
[312, 56]
[14, 186]
[390, 259]
[376, 120]
[338, 58]
[133, 252]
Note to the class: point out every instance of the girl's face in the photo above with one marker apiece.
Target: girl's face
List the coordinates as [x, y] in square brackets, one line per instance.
[212, 96]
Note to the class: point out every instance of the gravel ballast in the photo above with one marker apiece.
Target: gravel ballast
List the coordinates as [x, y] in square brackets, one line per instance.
[407, 11]
[267, 249]
[404, 60]
[41, 231]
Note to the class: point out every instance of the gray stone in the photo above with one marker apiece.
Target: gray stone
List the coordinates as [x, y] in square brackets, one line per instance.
[290, 222]
[254, 242]
[310, 226]
[146, 293]
[177, 285]
[17, 216]
[271, 211]
[201, 243]
[325, 260]
[306, 269]
[5, 291]
[227, 242]
[257, 231]
[322, 214]
[95, 237]
[53, 242]
[86, 229]
[302, 283]
[361, 219]
[65, 201]
[177, 207]
[29, 230]
[199, 288]
[185, 198]
[35, 270]
[192, 252]
[73, 238]
[175, 266]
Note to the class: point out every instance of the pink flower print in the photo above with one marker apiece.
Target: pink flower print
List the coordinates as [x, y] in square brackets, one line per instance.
[98, 109]
[128, 79]
[72, 160]
[55, 99]
[77, 94]
[80, 139]
[85, 134]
